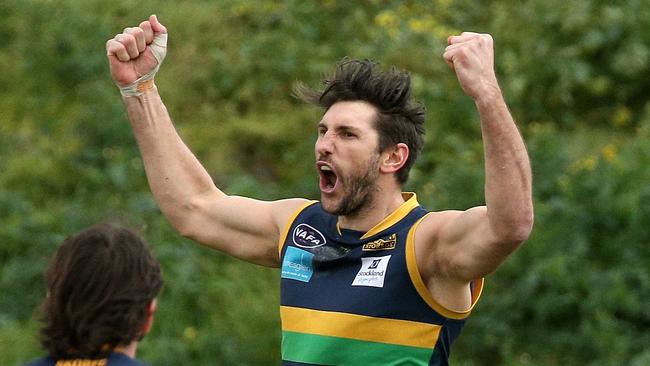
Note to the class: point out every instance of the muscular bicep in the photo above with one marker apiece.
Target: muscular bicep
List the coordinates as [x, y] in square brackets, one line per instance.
[463, 244]
[244, 228]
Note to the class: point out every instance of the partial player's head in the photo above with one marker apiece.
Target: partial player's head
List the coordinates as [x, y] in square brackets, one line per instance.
[398, 118]
[101, 287]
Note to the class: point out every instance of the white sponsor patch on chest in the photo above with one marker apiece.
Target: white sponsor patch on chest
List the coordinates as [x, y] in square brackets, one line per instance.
[372, 272]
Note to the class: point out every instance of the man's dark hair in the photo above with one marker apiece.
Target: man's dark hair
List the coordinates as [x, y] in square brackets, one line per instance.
[399, 119]
[100, 284]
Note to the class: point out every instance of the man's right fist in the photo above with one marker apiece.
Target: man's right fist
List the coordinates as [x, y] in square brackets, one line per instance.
[135, 55]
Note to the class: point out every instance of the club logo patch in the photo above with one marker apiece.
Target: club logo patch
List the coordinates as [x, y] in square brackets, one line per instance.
[297, 264]
[381, 244]
[372, 272]
[306, 236]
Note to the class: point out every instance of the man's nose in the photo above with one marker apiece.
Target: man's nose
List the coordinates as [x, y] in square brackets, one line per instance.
[325, 144]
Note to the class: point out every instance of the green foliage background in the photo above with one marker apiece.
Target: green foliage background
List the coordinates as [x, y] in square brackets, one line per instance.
[575, 74]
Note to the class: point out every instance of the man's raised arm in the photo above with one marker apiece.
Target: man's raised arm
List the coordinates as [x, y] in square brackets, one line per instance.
[473, 243]
[244, 228]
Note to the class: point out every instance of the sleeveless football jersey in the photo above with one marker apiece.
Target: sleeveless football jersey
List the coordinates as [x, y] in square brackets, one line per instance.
[354, 298]
[113, 359]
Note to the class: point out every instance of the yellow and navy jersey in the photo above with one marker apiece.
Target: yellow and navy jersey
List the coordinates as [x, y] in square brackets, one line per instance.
[355, 298]
[113, 359]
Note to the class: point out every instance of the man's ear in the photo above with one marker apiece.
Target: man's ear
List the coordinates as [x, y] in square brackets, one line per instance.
[394, 158]
[151, 309]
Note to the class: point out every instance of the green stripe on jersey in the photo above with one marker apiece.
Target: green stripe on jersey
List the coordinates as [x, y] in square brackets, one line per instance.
[324, 350]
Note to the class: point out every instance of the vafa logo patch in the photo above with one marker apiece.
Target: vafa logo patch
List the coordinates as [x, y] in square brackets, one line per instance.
[306, 236]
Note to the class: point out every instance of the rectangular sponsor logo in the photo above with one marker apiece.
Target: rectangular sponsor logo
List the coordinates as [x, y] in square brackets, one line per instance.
[297, 264]
[381, 244]
[372, 272]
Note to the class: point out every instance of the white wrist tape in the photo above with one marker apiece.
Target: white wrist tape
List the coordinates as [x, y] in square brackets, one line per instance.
[145, 82]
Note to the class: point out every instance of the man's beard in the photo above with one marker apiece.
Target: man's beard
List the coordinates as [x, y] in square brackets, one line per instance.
[358, 191]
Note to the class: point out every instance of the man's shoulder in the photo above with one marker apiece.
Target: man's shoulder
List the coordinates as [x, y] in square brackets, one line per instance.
[440, 218]
[44, 361]
[434, 224]
[288, 209]
[120, 359]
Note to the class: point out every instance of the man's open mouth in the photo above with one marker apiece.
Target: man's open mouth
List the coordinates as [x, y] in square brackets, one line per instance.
[328, 177]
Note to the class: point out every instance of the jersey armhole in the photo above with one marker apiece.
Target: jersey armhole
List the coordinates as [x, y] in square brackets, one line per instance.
[287, 226]
[476, 286]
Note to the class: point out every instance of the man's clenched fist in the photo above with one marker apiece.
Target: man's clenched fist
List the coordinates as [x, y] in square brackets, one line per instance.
[471, 55]
[135, 55]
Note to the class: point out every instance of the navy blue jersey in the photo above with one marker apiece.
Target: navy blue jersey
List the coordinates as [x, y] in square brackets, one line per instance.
[113, 359]
[355, 298]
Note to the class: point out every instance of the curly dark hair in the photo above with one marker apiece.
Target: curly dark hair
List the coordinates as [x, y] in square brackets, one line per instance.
[100, 284]
[399, 120]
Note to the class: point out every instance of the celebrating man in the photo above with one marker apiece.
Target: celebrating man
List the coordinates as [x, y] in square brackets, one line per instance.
[368, 276]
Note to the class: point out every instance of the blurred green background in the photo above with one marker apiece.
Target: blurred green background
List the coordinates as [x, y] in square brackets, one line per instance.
[575, 74]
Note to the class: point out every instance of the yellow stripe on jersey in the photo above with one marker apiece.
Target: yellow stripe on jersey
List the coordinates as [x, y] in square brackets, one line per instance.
[411, 202]
[285, 231]
[416, 278]
[360, 327]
